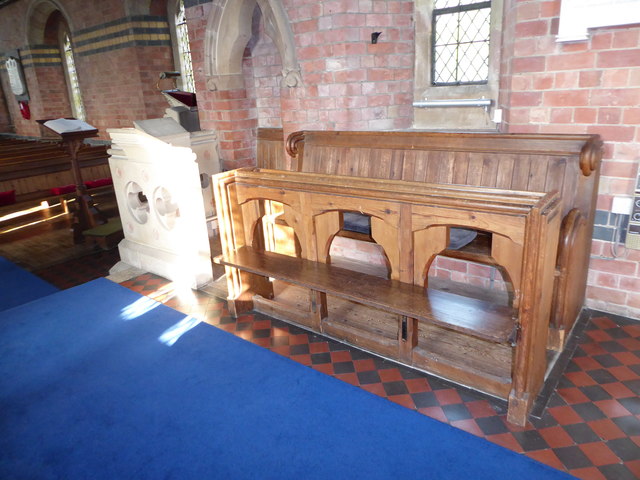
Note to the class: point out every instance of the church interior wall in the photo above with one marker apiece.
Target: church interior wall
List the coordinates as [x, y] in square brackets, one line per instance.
[348, 83]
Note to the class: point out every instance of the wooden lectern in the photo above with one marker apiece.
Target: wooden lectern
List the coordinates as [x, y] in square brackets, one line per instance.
[73, 133]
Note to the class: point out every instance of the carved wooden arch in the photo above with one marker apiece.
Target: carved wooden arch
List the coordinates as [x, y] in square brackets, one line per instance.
[506, 254]
[228, 32]
[328, 225]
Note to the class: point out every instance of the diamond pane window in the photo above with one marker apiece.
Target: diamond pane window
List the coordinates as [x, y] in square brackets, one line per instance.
[76, 97]
[460, 41]
[184, 50]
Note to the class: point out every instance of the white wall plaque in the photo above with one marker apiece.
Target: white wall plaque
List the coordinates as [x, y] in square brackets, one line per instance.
[15, 78]
[577, 16]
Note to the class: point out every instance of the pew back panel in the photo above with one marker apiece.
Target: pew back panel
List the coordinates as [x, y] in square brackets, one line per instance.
[568, 164]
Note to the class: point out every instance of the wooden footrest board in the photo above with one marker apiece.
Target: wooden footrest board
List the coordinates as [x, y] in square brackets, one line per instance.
[473, 317]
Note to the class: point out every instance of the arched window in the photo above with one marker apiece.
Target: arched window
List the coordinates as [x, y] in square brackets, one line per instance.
[184, 50]
[72, 77]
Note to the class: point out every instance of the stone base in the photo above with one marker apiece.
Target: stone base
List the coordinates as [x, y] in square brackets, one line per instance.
[192, 270]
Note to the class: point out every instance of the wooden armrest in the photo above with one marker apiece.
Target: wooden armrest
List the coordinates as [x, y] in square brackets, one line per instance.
[484, 320]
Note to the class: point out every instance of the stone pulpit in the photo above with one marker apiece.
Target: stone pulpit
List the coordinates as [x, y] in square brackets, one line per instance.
[164, 199]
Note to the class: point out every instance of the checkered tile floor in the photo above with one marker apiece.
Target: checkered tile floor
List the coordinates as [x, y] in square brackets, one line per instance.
[590, 428]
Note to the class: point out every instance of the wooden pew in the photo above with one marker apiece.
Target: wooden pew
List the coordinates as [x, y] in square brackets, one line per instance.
[569, 164]
[32, 168]
[497, 349]
[49, 165]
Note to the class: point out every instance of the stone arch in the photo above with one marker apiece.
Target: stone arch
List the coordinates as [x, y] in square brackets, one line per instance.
[37, 18]
[228, 33]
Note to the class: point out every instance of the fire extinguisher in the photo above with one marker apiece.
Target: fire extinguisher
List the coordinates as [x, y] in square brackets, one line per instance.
[24, 109]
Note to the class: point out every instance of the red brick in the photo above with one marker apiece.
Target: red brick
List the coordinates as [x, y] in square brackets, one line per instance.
[612, 168]
[608, 295]
[626, 38]
[619, 58]
[614, 78]
[526, 99]
[601, 40]
[533, 28]
[566, 80]
[610, 133]
[543, 82]
[529, 64]
[609, 115]
[585, 115]
[631, 116]
[561, 115]
[562, 98]
[615, 97]
[590, 78]
[571, 61]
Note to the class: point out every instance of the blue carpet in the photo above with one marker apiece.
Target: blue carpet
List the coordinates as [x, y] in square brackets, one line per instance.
[20, 286]
[96, 382]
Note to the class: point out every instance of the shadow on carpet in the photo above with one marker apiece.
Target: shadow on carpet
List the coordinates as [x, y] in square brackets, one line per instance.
[20, 286]
[99, 382]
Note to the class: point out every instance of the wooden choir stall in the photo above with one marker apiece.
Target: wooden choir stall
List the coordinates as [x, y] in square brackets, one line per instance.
[497, 349]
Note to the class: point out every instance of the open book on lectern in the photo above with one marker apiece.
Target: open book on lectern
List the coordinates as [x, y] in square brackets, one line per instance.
[68, 125]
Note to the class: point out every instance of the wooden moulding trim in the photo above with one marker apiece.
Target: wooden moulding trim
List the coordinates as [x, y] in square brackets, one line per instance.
[267, 133]
[572, 223]
[522, 144]
[459, 196]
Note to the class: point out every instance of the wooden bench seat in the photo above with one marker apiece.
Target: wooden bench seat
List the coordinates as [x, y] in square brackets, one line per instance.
[483, 320]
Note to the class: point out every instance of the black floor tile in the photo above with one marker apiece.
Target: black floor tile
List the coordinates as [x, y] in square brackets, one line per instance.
[588, 411]
[531, 440]
[343, 367]
[369, 377]
[617, 472]
[632, 404]
[595, 393]
[581, 433]
[300, 349]
[425, 399]
[625, 448]
[629, 425]
[457, 411]
[395, 388]
[320, 358]
[607, 361]
[633, 385]
[492, 425]
[572, 457]
[602, 376]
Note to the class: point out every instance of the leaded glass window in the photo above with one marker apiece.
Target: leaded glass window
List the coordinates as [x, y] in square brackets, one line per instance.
[184, 50]
[460, 42]
[74, 86]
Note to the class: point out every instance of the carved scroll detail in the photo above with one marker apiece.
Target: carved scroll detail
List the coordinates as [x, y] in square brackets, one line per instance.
[590, 156]
[292, 143]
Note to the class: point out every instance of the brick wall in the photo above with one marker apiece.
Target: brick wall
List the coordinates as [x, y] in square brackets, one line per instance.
[6, 124]
[585, 87]
[350, 83]
[118, 58]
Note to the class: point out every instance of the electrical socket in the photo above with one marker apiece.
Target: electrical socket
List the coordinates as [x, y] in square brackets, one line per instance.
[622, 205]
